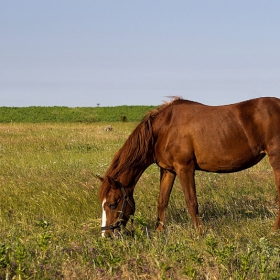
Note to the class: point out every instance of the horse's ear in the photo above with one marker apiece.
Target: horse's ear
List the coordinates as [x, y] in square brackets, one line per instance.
[100, 178]
[113, 183]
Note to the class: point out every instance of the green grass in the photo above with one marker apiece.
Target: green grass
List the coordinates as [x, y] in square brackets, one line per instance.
[50, 214]
[67, 114]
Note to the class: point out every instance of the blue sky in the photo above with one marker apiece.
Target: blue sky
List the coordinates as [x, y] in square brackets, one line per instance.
[80, 53]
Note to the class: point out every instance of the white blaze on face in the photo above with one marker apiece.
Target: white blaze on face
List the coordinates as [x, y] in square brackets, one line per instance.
[104, 218]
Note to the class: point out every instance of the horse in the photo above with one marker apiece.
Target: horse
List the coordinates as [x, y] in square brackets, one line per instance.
[184, 136]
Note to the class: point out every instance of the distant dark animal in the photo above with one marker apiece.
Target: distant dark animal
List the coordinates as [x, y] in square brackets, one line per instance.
[184, 136]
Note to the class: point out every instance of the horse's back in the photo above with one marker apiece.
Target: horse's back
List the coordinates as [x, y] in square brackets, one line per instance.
[218, 138]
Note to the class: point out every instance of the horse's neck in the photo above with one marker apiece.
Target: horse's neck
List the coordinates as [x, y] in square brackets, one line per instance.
[130, 177]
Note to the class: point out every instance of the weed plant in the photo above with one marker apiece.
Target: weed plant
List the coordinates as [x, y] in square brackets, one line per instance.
[50, 215]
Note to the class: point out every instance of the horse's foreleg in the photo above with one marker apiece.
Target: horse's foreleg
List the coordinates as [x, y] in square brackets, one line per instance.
[166, 183]
[186, 177]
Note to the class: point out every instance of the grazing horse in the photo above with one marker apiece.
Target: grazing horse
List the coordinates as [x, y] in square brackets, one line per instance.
[181, 137]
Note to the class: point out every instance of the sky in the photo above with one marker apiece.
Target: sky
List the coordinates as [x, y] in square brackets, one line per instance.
[125, 52]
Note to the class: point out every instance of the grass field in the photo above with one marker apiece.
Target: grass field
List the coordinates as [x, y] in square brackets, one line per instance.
[50, 214]
[58, 114]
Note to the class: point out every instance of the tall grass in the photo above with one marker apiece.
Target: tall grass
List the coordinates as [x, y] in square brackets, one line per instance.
[50, 214]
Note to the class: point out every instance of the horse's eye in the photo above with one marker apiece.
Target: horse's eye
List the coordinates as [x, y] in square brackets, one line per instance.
[113, 206]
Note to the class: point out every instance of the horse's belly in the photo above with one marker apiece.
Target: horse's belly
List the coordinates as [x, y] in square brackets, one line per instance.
[225, 163]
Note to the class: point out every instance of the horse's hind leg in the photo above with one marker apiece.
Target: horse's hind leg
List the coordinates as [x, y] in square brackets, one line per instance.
[166, 183]
[277, 179]
[275, 163]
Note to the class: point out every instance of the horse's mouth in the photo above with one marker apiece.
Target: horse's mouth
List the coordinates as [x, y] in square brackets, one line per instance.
[119, 232]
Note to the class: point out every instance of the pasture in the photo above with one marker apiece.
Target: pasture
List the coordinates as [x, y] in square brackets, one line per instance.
[50, 215]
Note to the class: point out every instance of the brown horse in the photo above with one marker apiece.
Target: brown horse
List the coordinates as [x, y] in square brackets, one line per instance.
[184, 136]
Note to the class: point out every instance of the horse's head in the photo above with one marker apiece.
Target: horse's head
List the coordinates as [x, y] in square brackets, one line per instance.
[117, 205]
